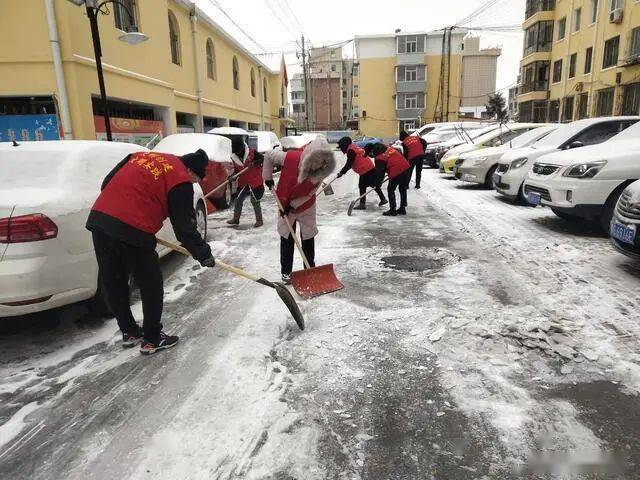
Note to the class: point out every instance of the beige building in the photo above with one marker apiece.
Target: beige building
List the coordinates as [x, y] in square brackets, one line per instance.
[581, 58]
[479, 67]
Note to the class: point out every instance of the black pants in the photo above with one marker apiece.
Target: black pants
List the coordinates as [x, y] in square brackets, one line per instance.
[116, 262]
[287, 247]
[255, 194]
[400, 183]
[368, 180]
[416, 163]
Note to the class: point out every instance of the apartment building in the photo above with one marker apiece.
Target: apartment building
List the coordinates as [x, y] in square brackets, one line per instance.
[581, 59]
[190, 75]
[326, 72]
[403, 79]
[298, 101]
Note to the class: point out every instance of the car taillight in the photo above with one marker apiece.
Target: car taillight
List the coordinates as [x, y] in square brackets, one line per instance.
[27, 228]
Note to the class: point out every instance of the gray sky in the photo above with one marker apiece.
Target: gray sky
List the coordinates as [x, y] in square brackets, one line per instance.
[329, 21]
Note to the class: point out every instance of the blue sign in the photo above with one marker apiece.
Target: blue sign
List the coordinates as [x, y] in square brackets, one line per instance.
[24, 128]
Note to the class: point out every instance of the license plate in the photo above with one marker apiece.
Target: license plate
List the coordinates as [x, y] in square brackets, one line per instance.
[534, 198]
[624, 233]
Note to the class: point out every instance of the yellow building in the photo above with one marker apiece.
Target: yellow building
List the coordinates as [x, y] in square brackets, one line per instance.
[581, 59]
[190, 75]
[403, 80]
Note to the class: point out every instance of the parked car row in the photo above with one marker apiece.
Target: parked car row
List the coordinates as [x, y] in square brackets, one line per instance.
[586, 170]
[46, 253]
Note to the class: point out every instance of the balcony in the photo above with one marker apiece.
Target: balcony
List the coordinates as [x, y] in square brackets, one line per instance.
[408, 113]
[416, 86]
[537, 86]
[416, 58]
[535, 6]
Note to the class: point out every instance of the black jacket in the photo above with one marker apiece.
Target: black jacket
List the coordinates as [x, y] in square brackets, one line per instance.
[181, 214]
[351, 157]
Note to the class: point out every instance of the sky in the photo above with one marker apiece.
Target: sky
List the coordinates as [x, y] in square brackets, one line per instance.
[276, 25]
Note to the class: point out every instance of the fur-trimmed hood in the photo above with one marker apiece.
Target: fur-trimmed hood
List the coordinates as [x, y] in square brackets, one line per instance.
[317, 161]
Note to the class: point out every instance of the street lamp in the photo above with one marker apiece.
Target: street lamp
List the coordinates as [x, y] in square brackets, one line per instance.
[132, 37]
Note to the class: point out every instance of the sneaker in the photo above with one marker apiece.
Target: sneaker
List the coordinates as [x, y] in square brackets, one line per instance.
[286, 279]
[402, 211]
[390, 213]
[165, 341]
[131, 339]
[361, 206]
[383, 202]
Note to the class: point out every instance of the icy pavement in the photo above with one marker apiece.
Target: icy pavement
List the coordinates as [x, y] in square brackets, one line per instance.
[474, 339]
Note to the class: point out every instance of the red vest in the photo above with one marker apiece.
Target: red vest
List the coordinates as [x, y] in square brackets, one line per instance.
[253, 176]
[395, 161]
[288, 187]
[414, 147]
[138, 193]
[362, 164]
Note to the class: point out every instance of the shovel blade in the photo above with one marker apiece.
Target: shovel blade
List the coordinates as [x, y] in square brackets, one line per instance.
[287, 298]
[351, 205]
[328, 190]
[315, 281]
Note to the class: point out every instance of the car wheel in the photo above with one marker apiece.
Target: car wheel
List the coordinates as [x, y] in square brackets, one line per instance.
[562, 215]
[488, 181]
[201, 220]
[522, 198]
[607, 211]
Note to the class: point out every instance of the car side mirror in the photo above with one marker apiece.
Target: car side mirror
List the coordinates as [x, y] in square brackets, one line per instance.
[576, 144]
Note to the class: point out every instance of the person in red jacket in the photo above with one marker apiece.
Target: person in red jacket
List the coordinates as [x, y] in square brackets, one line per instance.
[391, 162]
[301, 174]
[250, 183]
[414, 148]
[137, 196]
[363, 166]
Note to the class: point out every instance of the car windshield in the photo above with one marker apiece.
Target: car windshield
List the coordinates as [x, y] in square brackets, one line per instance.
[562, 134]
[530, 136]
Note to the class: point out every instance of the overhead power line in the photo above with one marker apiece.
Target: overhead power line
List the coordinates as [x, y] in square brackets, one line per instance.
[219, 7]
[279, 18]
[295, 17]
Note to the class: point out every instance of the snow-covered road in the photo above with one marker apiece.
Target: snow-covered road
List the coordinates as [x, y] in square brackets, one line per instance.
[474, 339]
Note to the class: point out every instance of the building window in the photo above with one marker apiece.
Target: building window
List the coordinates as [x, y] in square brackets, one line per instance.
[554, 111]
[588, 60]
[174, 39]
[211, 60]
[410, 100]
[562, 28]
[344, 94]
[282, 102]
[411, 44]
[577, 18]
[610, 57]
[538, 38]
[634, 49]
[535, 77]
[557, 71]
[604, 104]
[594, 10]
[236, 73]
[253, 83]
[616, 5]
[356, 91]
[631, 99]
[535, 6]
[298, 108]
[333, 53]
[410, 73]
[567, 113]
[573, 59]
[122, 14]
[583, 106]
[355, 70]
[265, 88]
[333, 67]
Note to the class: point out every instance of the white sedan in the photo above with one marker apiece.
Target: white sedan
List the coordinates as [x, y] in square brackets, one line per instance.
[586, 183]
[46, 192]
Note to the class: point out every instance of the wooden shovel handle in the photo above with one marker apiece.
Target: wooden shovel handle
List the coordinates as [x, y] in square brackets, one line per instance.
[222, 265]
[371, 190]
[232, 177]
[293, 234]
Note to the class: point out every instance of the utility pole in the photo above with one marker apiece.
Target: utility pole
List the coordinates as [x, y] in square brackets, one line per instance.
[306, 85]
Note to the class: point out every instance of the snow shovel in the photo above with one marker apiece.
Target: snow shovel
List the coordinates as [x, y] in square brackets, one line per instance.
[326, 187]
[281, 290]
[312, 281]
[353, 204]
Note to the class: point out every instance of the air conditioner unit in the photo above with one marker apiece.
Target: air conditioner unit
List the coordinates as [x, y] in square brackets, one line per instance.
[283, 112]
[615, 16]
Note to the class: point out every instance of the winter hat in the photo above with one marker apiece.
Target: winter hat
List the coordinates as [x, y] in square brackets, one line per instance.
[196, 162]
[317, 161]
[343, 143]
[403, 135]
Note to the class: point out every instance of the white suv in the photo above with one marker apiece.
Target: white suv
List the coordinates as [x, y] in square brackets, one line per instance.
[515, 164]
[586, 183]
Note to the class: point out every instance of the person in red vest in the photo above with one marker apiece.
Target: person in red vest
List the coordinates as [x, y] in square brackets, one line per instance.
[414, 148]
[391, 162]
[250, 183]
[137, 196]
[363, 166]
[301, 174]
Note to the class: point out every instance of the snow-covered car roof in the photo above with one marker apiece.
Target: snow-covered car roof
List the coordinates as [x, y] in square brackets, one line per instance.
[294, 141]
[60, 176]
[265, 140]
[218, 148]
[228, 131]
